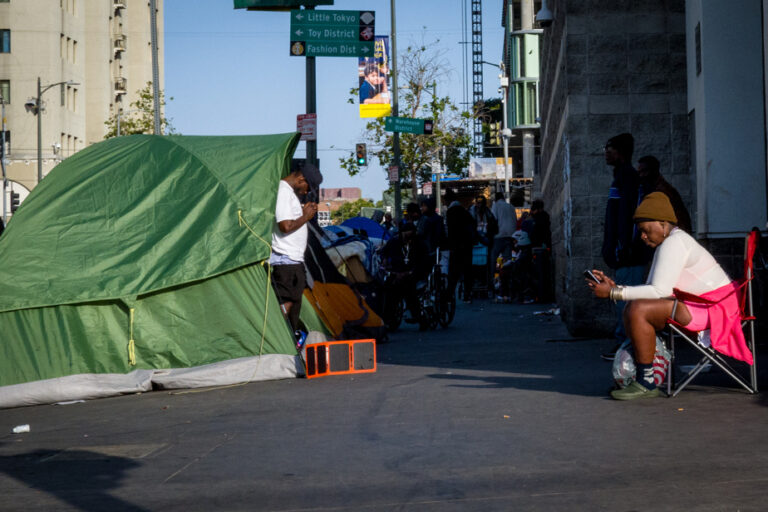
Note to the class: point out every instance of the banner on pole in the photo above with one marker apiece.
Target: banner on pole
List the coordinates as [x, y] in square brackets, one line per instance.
[488, 168]
[373, 79]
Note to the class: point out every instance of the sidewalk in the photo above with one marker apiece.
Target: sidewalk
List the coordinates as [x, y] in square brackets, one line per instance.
[485, 415]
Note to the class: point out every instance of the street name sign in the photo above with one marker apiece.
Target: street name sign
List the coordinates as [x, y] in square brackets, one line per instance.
[316, 33]
[408, 125]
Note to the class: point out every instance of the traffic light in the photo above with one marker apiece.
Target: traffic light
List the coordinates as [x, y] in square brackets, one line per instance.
[14, 202]
[361, 154]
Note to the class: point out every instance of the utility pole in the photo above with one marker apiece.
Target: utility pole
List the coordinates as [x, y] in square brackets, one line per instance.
[395, 135]
[506, 133]
[2, 159]
[155, 66]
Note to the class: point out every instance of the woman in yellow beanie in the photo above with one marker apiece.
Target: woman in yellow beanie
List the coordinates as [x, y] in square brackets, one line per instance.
[679, 263]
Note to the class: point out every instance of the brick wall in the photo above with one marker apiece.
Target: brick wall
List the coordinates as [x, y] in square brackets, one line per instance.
[607, 68]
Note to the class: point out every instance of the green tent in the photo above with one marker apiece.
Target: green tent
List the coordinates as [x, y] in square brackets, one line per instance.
[138, 263]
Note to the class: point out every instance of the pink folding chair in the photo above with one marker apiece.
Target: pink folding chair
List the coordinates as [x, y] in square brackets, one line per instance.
[708, 354]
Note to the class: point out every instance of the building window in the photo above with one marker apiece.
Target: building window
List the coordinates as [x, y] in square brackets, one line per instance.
[7, 149]
[5, 40]
[5, 91]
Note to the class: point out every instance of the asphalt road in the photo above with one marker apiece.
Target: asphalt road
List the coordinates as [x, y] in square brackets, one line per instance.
[499, 412]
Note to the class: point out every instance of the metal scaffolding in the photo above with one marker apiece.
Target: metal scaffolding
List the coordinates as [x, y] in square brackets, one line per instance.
[477, 69]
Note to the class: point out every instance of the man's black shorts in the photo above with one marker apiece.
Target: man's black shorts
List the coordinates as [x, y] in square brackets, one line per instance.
[289, 282]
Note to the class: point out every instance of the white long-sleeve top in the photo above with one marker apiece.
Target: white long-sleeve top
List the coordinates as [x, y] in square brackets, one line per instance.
[679, 262]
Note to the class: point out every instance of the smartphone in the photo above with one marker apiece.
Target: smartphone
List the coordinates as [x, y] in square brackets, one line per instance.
[589, 275]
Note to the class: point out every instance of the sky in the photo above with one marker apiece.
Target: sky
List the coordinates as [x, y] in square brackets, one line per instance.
[229, 72]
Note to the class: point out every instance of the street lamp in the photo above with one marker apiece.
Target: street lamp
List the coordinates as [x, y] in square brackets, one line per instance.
[35, 106]
[506, 133]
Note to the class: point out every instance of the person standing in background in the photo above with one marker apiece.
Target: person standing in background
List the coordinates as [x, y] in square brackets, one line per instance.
[622, 250]
[462, 233]
[651, 180]
[506, 216]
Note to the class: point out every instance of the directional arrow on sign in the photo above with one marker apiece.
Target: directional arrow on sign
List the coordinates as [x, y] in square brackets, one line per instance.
[299, 32]
[299, 16]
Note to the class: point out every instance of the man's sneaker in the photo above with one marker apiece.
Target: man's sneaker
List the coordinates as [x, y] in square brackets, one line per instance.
[301, 339]
[633, 391]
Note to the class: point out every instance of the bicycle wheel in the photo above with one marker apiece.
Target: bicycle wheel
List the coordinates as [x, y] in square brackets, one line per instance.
[445, 303]
[393, 315]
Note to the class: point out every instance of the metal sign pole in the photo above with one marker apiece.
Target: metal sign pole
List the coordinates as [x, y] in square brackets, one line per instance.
[2, 162]
[505, 132]
[155, 66]
[396, 135]
[311, 86]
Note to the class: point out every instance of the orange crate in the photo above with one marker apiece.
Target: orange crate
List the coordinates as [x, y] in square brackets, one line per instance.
[340, 357]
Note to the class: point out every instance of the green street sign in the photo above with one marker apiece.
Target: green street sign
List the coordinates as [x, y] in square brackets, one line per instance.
[323, 17]
[331, 49]
[326, 33]
[408, 125]
[316, 33]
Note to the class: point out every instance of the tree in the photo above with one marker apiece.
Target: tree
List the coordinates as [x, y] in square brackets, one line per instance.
[349, 210]
[422, 68]
[140, 118]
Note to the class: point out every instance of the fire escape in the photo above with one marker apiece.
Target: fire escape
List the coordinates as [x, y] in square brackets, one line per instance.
[477, 70]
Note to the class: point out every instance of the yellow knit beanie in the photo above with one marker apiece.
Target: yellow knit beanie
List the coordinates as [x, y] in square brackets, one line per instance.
[655, 206]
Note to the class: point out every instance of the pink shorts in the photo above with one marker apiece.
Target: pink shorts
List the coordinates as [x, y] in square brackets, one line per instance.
[699, 316]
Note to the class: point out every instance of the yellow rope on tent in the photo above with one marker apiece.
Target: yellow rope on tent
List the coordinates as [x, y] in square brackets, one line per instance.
[241, 221]
[131, 344]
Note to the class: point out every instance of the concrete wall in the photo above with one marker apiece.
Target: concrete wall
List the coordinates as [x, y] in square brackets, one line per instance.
[727, 97]
[607, 68]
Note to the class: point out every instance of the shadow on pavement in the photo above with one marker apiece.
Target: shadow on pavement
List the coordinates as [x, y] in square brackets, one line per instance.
[523, 346]
[505, 346]
[80, 478]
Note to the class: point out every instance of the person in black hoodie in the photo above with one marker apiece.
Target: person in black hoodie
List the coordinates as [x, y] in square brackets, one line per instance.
[462, 234]
[651, 180]
[623, 250]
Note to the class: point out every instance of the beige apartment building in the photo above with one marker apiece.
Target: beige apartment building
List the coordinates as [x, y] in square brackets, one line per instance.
[101, 47]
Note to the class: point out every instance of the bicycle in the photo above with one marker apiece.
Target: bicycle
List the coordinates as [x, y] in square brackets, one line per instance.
[441, 304]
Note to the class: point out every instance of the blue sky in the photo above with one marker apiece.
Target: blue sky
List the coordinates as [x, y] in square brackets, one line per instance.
[230, 73]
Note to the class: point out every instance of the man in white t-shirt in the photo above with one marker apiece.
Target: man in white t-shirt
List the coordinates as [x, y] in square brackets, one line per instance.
[506, 215]
[289, 241]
